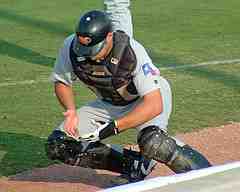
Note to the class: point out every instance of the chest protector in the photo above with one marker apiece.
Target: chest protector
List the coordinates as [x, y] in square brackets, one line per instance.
[111, 78]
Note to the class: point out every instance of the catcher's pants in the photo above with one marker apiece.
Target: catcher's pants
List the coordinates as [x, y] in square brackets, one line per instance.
[99, 110]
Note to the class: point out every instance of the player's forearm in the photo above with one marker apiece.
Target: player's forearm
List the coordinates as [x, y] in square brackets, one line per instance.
[65, 96]
[149, 108]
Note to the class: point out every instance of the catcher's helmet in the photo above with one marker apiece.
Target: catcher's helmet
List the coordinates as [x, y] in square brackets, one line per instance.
[94, 26]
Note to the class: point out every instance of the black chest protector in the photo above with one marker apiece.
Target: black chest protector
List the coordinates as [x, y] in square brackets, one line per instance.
[111, 78]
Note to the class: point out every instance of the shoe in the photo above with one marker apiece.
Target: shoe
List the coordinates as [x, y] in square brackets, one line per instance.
[141, 169]
[136, 167]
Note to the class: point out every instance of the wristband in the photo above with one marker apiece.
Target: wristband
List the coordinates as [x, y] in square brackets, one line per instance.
[109, 130]
[116, 126]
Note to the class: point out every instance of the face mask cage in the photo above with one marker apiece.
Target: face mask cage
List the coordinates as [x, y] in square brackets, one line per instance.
[85, 50]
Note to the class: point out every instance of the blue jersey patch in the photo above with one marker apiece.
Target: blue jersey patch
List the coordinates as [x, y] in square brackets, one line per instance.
[148, 69]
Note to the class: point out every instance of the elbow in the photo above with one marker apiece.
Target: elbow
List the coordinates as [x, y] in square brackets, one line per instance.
[154, 102]
[157, 105]
[158, 108]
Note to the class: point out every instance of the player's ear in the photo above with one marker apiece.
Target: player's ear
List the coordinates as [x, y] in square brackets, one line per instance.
[109, 36]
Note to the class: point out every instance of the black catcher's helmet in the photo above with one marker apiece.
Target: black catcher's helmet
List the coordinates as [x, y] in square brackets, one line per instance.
[93, 25]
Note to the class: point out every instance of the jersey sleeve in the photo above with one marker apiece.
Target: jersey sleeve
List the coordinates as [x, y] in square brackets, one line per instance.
[63, 71]
[146, 75]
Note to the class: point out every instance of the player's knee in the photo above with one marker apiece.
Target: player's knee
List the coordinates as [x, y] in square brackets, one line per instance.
[155, 144]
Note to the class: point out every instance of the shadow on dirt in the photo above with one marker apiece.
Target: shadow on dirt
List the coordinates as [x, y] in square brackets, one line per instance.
[22, 158]
[60, 173]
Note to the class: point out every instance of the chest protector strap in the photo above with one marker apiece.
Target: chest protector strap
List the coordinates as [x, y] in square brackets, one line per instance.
[120, 41]
[111, 78]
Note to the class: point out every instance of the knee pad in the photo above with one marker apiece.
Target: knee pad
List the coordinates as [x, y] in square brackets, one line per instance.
[156, 144]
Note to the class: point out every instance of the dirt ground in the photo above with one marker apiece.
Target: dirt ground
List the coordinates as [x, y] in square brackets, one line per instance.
[219, 145]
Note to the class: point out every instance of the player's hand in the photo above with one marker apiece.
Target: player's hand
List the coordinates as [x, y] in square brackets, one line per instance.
[71, 122]
[103, 131]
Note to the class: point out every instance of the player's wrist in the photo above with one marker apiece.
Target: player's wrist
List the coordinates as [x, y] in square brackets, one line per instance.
[70, 112]
[110, 130]
[116, 125]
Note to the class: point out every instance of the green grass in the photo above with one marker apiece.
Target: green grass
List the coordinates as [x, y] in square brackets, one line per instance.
[20, 152]
[187, 31]
[206, 96]
[175, 32]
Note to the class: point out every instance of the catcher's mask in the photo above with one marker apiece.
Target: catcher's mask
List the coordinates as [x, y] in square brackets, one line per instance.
[91, 31]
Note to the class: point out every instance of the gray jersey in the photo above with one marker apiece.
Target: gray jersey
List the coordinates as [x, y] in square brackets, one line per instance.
[146, 75]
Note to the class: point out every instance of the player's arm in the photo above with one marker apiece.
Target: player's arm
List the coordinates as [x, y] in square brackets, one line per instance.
[65, 95]
[150, 107]
[62, 78]
[147, 82]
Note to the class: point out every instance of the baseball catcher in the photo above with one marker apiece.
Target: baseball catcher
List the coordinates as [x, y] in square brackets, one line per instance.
[131, 93]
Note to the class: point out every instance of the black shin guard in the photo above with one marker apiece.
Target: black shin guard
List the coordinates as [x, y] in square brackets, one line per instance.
[157, 145]
[93, 155]
[98, 156]
[186, 159]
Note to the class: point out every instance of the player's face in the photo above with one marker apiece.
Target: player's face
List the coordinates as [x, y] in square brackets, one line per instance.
[106, 49]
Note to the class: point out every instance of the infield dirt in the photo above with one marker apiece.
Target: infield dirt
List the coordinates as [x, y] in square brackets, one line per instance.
[219, 145]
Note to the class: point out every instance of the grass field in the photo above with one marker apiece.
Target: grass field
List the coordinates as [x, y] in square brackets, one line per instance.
[178, 32]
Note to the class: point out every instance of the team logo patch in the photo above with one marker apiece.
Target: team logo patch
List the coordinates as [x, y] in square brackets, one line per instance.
[147, 69]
